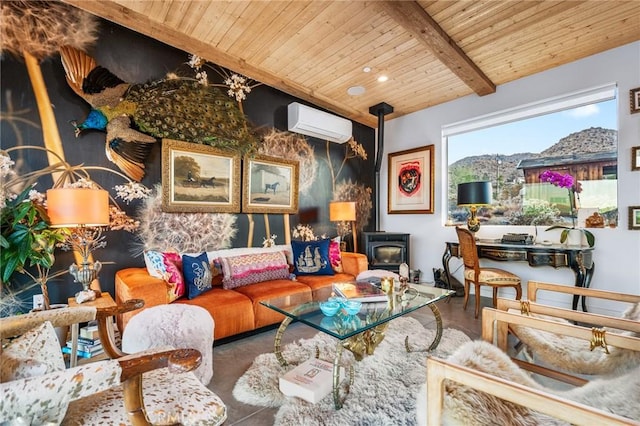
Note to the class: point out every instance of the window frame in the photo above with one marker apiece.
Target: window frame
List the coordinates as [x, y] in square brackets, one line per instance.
[534, 109]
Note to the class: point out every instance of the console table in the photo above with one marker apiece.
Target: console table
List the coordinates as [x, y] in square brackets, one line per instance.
[579, 259]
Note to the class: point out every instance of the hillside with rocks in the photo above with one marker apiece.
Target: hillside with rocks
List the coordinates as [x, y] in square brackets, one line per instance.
[485, 167]
[593, 139]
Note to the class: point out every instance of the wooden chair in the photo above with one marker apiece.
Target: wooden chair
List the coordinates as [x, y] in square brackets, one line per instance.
[485, 386]
[534, 287]
[532, 399]
[473, 273]
[499, 322]
[44, 391]
[570, 353]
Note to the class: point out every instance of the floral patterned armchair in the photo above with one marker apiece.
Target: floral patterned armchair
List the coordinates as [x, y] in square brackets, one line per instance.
[150, 387]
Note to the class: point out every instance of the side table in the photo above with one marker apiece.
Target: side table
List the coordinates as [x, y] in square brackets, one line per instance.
[106, 301]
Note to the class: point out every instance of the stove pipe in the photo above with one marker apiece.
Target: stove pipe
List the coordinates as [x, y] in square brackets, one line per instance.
[379, 110]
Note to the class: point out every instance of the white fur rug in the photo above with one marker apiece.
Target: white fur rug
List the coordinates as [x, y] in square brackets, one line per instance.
[385, 385]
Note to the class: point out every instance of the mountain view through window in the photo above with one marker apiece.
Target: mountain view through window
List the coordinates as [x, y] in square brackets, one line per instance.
[580, 142]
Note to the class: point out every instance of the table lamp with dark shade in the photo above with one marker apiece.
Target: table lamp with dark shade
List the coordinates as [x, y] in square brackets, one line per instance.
[473, 194]
[84, 211]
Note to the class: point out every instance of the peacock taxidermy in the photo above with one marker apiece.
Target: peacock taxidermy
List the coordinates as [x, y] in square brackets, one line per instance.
[176, 108]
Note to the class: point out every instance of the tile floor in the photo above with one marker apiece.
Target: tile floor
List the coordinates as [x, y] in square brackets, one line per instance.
[231, 360]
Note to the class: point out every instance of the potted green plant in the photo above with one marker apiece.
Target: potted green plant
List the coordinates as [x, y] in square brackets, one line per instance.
[28, 243]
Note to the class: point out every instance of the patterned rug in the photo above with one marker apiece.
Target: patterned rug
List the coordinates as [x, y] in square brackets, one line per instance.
[385, 385]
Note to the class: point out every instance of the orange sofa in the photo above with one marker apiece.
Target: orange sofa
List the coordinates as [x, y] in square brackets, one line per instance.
[238, 310]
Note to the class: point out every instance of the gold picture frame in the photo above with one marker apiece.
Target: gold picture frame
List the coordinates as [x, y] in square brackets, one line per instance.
[199, 178]
[269, 185]
[411, 181]
[635, 158]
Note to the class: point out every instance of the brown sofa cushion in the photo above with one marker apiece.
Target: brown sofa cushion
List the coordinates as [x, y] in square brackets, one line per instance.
[321, 285]
[294, 292]
[231, 311]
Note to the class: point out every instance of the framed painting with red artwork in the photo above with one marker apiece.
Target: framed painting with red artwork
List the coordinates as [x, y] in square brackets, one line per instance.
[411, 184]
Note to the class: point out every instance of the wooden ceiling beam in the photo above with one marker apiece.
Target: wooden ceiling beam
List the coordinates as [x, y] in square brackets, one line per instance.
[413, 18]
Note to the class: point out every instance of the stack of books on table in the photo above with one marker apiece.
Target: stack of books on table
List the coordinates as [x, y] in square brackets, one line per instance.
[361, 291]
[90, 332]
[89, 344]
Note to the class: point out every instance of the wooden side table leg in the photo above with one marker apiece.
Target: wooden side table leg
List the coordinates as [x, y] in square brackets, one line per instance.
[73, 357]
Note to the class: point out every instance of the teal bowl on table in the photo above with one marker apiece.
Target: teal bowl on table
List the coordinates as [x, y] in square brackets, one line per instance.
[352, 307]
[329, 308]
[340, 300]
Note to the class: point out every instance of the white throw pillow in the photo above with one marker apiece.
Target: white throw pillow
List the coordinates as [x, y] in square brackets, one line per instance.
[35, 353]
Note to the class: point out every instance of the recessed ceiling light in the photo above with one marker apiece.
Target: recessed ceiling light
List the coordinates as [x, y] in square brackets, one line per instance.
[356, 90]
[383, 78]
[366, 69]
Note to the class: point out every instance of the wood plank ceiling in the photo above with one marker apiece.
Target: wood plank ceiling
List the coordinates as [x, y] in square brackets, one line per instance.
[431, 51]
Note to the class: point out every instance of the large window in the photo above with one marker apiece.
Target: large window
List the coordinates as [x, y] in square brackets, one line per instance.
[574, 134]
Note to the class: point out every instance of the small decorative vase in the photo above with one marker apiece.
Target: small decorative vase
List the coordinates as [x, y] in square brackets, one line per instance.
[386, 284]
[575, 238]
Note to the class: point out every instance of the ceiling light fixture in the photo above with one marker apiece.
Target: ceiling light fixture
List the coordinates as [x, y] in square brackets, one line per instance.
[383, 78]
[356, 90]
[366, 69]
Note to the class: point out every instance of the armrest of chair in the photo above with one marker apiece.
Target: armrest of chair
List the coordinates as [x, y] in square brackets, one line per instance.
[134, 365]
[534, 286]
[45, 398]
[569, 314]
[495, 326]
[354, 263]
[177, 360]
[104, 329]
[572, 412]
[19, 324]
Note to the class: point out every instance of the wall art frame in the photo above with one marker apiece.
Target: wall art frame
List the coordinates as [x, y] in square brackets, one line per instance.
[411, 181]
[634, 100]
[634, 218]
[635, 158]
[269, 185]
[199, 178]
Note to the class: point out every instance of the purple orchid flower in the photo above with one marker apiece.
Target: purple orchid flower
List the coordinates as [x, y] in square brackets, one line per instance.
[566, 181]
[557, 179]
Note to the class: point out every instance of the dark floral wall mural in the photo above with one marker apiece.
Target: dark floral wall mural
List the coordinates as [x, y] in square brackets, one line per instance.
[248, 116]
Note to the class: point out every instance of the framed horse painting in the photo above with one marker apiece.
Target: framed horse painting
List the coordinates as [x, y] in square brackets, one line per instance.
[270, 185]
[199, 178]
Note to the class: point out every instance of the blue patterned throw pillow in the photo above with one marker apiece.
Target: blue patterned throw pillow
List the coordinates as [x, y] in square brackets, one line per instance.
[311, 257]
[197, 274]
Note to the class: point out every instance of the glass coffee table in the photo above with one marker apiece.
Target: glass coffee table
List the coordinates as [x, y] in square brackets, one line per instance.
[363, 332]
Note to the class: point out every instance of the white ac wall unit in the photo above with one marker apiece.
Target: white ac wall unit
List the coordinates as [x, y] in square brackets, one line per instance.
[319, 124]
